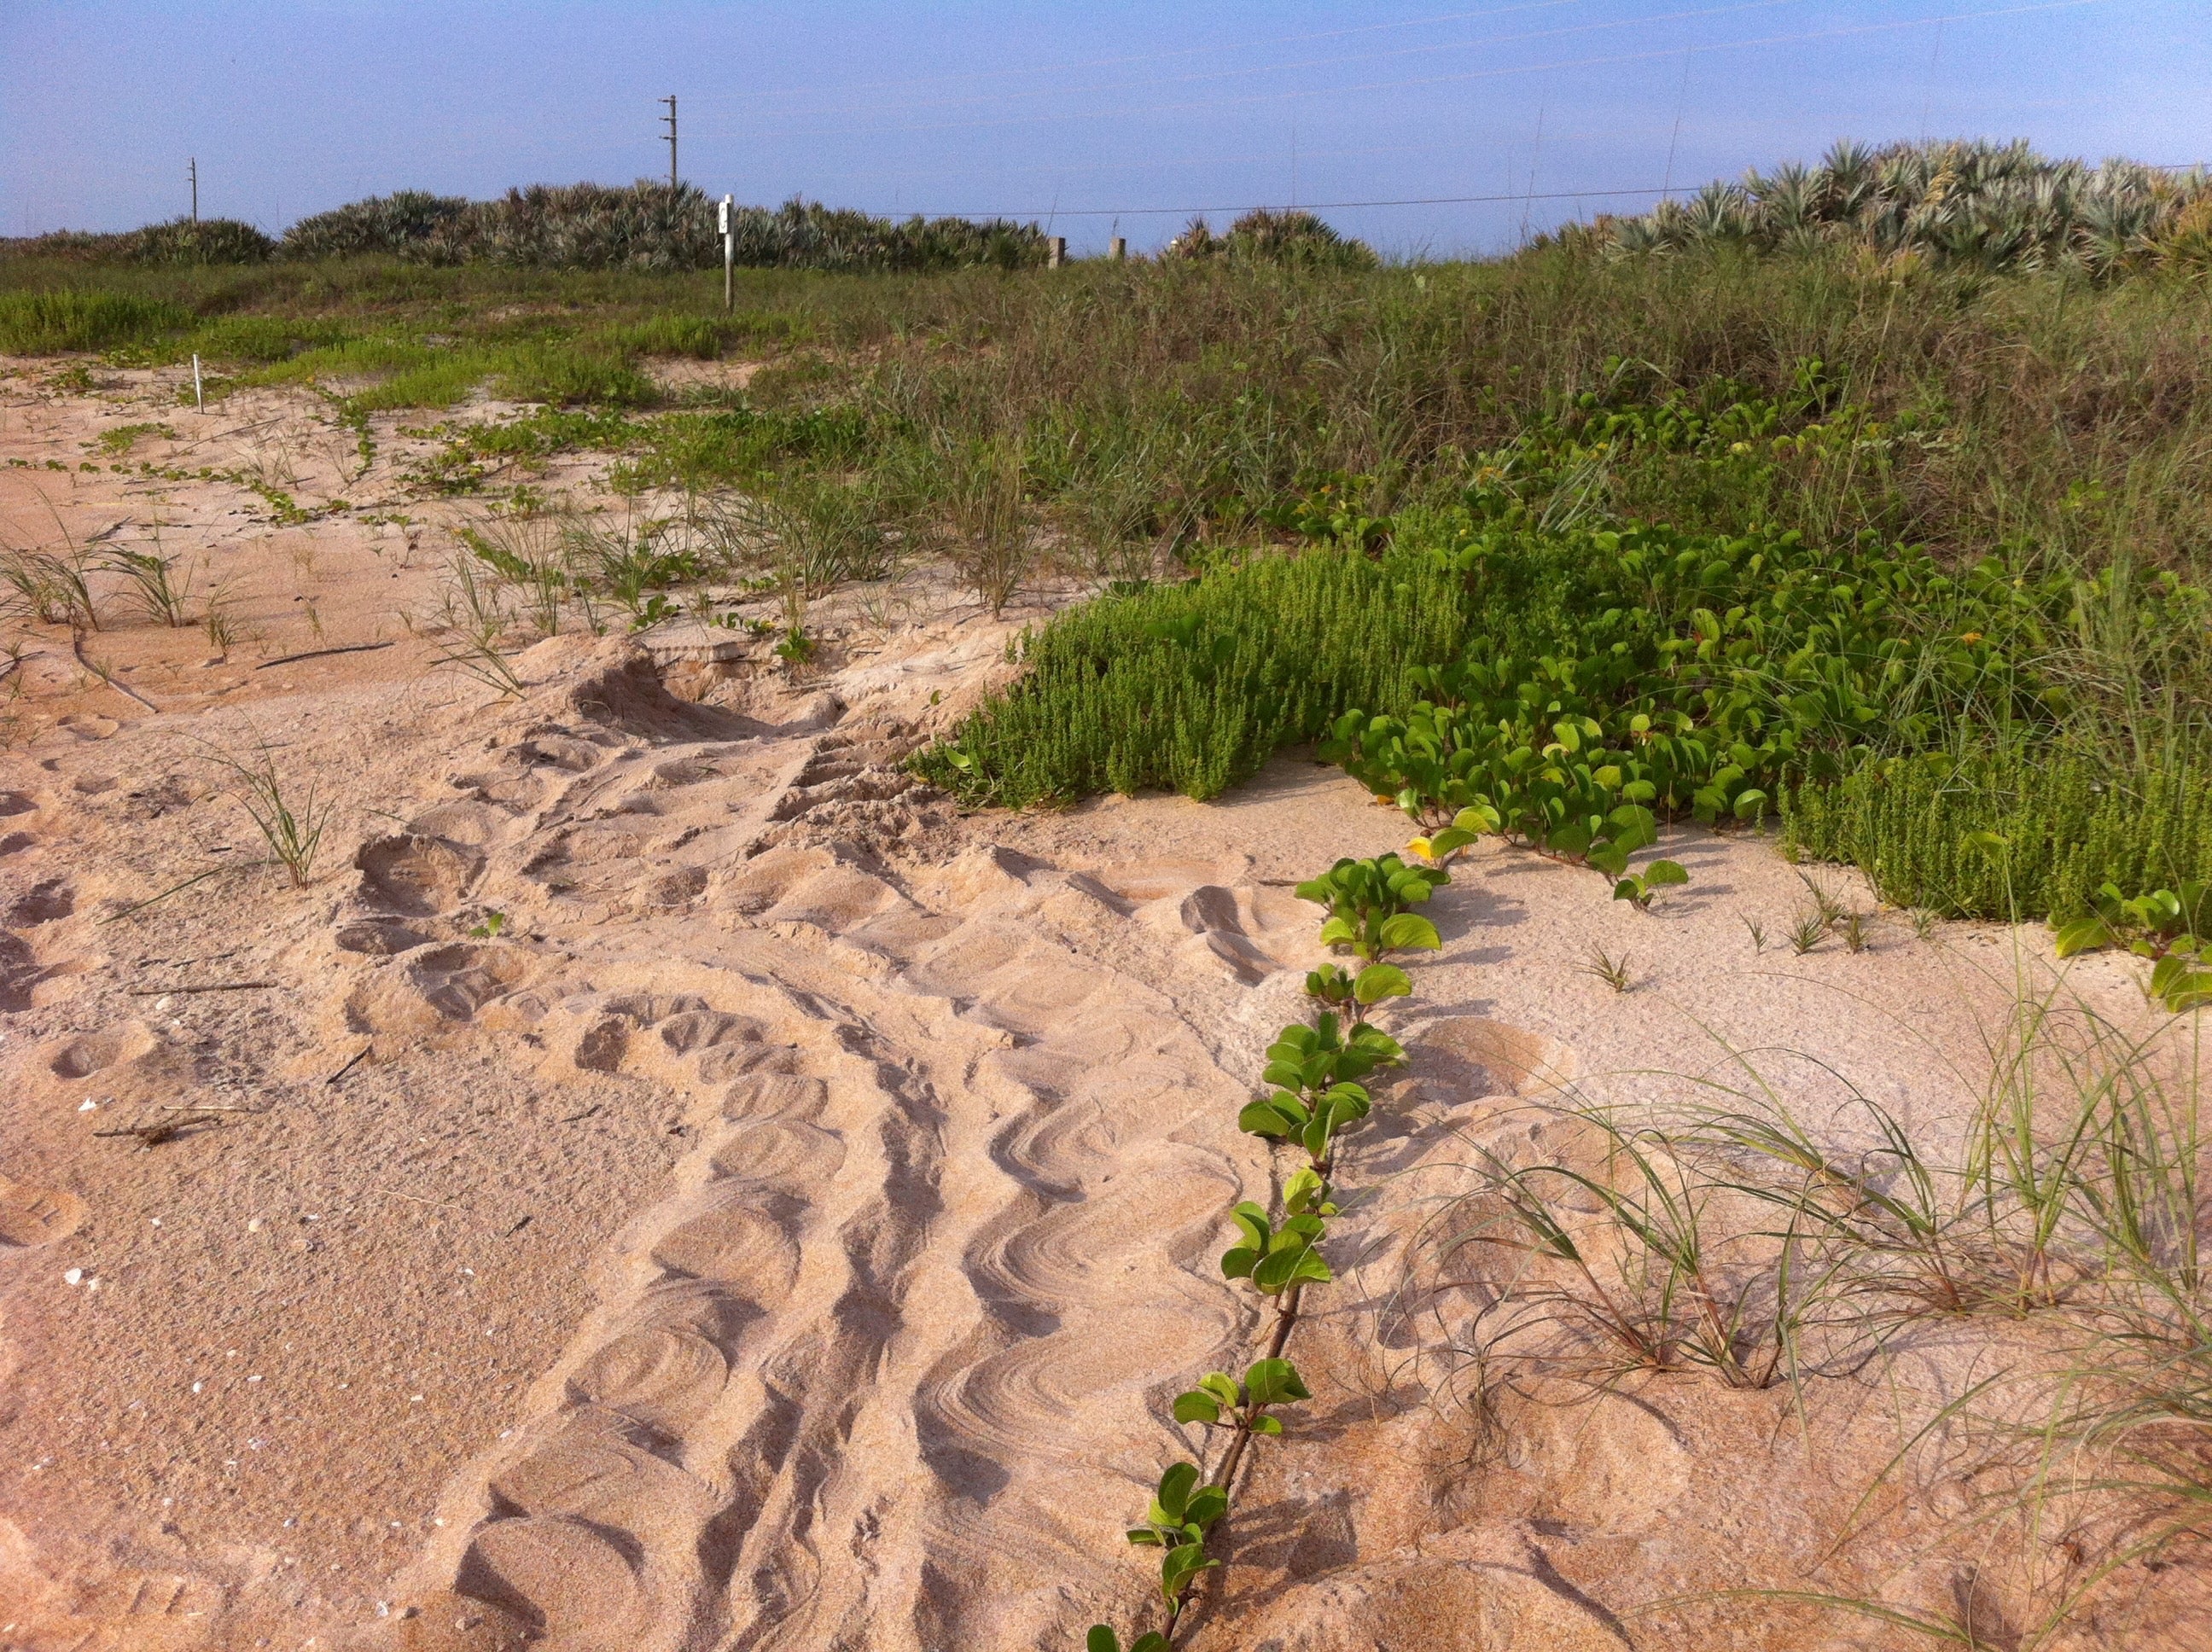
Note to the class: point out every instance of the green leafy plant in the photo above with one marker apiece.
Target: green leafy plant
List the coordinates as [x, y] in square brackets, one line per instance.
[1367, 901]
[2149, 926]
[1183, 1511]
[1334, 985]
[1641, 887]
[1275, 1258]
[2164, 926]
[1219, 1400]
[1102, 1638]
[493, 924]
[1313, 1073]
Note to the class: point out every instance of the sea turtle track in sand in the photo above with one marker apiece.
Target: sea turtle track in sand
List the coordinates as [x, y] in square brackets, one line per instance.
[938, 1156]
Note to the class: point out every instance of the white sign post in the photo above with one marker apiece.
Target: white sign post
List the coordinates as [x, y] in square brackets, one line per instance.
[729, 260]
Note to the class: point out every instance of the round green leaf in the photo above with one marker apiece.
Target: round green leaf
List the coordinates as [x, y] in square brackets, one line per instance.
[1410, 932]
[1197, 1407]
[1274, 1383]
[1380, 980]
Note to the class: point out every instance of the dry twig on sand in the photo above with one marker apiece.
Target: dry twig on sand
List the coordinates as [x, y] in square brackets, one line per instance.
[153, 1134]
[208, 986]
[318, 653]
[76, 647]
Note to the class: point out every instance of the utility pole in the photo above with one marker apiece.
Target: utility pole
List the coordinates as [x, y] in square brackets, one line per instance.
[193, 172]
[729, 259]
[670, 118]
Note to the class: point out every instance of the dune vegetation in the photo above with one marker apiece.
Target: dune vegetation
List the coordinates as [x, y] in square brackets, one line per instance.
[1865, 508]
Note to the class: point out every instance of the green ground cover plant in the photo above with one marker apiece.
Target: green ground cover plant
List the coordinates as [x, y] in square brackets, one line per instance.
[1311, 1096]
[1609, 678]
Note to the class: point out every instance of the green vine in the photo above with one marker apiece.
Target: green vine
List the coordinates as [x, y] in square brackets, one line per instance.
[1312, 1094]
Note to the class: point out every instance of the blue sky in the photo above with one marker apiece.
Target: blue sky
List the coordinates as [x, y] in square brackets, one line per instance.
[1076, 112]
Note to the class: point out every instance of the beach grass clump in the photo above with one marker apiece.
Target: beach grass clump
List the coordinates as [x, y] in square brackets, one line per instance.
[291, 815]
[43, 323]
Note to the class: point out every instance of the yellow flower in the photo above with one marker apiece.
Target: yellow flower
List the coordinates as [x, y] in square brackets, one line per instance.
[1969, 636]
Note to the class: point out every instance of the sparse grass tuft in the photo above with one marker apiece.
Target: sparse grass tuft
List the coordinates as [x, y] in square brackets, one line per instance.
[1602, 965]
[149, 577]
[291, 819]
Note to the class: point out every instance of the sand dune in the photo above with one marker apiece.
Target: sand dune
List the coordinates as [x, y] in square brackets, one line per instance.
[789, 1224]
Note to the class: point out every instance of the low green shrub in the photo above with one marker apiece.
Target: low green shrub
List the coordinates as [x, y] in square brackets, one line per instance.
[705, 450]
[648, 226]
[200, 240]
[1979, 204]
[1192, 687]
[568, 375]
[2069, 821]
[1263, 235]
[385, 224]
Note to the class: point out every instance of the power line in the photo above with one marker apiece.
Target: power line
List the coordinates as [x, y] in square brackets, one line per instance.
[1406, 201]
[1336, 60]
[1185, 51]
[1313, 206]
[1215, 104]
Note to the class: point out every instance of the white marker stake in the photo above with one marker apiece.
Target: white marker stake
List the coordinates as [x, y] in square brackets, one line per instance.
[729, 260]
[199, 401]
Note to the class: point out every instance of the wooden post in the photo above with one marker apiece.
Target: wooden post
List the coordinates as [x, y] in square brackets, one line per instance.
[1056, 251]
[1118, 248]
